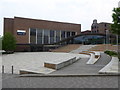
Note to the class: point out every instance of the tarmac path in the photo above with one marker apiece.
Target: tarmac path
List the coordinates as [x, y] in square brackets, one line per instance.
[80, 67]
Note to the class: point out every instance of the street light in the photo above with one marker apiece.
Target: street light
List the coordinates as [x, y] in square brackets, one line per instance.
[107, 39]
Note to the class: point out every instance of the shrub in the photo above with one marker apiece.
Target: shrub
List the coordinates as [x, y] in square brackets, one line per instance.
[8, 42]
[111, 53]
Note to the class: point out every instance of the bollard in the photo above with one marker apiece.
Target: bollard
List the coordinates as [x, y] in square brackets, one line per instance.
[2, 69]
[12, 69]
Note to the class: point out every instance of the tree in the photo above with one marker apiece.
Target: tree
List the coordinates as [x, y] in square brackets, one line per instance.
[115, 27]
[0, 43]
[8, 42]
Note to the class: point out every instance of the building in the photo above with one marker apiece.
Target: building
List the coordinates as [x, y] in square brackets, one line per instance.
[100, 27]
[86, 32]
[29, 32]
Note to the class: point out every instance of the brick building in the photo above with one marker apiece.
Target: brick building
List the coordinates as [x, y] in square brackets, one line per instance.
[39, 32]
[100, 27]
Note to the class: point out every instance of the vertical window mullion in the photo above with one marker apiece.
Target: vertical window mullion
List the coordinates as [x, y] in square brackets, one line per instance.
[29, 36]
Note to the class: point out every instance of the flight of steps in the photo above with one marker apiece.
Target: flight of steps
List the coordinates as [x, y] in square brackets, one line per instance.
[67, 48]
[104, 47]
[83, 48]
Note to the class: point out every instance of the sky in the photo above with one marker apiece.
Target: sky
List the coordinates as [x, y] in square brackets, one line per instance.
[73, 11]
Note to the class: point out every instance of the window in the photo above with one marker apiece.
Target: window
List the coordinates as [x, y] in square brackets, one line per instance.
[46, 36]
[52, 35]
[57, 36]
[95, 27]
[68, 34]
[62, 35]
[92, 27]
[32, 36]
[39, 36]
[98, 31]
[73, 33]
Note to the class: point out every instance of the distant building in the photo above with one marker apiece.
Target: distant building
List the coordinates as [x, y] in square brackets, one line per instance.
[86, 32]
[100, 27]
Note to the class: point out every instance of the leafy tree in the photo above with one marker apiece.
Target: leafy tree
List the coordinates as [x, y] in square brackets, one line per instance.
[115, 27]
[8, 42]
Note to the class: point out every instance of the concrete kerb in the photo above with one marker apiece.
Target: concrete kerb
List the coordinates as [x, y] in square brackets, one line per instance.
[111, 68]
[70, 75]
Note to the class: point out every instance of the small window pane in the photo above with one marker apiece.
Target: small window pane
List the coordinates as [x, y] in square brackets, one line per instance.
[32, 36]
[62, 35]
[68, 34]
[73, 33]
[57, 36]
[39, 36]
[46, 36]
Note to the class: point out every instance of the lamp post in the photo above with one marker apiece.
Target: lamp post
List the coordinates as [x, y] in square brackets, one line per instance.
[107, 39]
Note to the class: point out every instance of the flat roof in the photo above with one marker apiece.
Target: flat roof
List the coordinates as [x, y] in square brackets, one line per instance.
[46, 20]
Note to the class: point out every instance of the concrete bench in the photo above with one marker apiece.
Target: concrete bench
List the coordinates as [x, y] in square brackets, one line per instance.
[94, 57]
[60, 63]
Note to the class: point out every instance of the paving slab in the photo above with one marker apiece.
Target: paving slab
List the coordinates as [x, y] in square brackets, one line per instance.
[33, 60]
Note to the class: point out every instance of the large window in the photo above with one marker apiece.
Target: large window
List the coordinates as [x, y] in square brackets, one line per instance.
[52, 35]
[32, 36]
[62, 35]
[57, 36]
[68, 34]
[73, 33]
[46, 36]
[39, 36]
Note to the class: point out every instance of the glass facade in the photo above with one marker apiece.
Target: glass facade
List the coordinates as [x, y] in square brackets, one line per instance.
[39, 36]
[43, 36]
[68, 34]
[73, 33]
[52, 35]
[46, 36]
[33, 36]
[57, 36]
[62, 35]
[89, 39]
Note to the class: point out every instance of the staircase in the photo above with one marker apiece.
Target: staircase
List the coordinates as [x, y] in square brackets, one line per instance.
[67, 48]
[83, 48]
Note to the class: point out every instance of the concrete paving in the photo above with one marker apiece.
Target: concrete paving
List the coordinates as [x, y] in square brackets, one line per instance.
[81, 68]
[14, 81]
[33, 61]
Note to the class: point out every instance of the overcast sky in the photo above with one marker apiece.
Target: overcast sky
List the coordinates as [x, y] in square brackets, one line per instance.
[74, 11]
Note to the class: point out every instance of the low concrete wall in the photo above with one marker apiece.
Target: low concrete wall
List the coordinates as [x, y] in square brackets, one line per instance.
[95, 56]
[58, 64]
[112, 67]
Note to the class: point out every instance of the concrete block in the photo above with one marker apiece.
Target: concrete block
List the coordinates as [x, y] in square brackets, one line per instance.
[58, 64]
